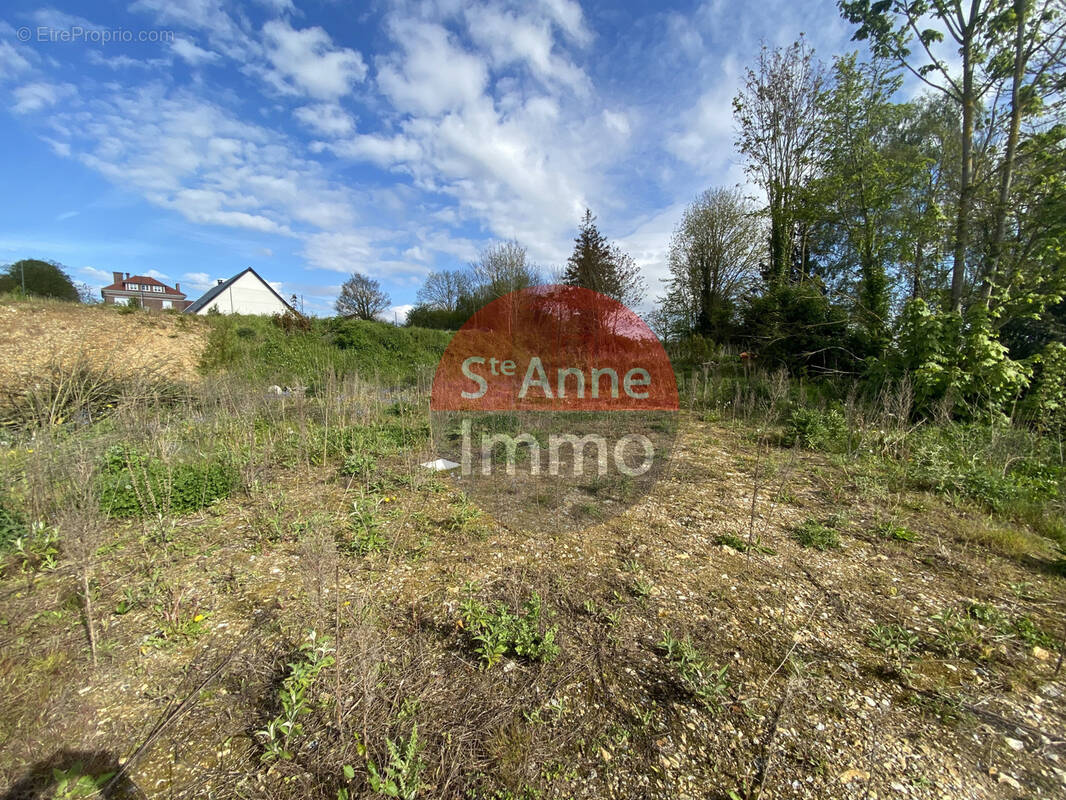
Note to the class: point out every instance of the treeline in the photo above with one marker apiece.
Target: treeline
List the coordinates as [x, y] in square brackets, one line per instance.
[919, 240]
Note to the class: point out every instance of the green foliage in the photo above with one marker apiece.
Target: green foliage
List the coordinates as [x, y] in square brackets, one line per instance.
[954, 362]
[742, 545]
[896, 642]
[707, 684]
[295, 698]
[366, 534]
[1003, 469]
[41, 278]
[813, 533]
[342, 346]
[1045, 404]
[816, 429]
[797, 327]
[74, 783]
[495, 634]
[899, 533]
[12, 526]
[401, 775]
[132, 484]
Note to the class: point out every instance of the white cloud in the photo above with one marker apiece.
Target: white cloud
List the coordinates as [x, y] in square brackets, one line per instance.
[380, 150]
[432, 74]
[12, 62]
[98, 275]
[327, 119]
[396, 314]
[66, 215]
[568, 16]
[197, 280]
[510, 38]
[36, 96]
[122, 61]
[306, 62]
[193, 54]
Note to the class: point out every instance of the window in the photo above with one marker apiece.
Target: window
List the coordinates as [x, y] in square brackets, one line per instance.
[157, 288]
[133, 287]
[168, 304]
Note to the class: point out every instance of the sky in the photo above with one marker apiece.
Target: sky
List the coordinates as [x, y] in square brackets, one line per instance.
[190, 139]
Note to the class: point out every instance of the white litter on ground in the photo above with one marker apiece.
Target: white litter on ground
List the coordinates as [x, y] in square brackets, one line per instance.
[440, 464]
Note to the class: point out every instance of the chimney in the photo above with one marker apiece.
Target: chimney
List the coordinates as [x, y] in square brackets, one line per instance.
[177, 287]
[117, 276]
[219, 282]
[127, 276]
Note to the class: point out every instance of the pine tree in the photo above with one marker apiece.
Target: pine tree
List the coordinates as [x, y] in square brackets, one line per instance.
[598, 265]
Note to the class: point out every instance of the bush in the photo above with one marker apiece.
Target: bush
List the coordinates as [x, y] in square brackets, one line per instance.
[134, 485]
[816, 430]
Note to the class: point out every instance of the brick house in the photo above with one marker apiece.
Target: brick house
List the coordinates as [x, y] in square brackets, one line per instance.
[148, 291]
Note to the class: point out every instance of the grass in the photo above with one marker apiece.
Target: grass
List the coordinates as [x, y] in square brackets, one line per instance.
[817, 535]
[565, 669]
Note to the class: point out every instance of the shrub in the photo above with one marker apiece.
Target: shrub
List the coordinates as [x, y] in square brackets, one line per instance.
[134, 485]
[816, 429]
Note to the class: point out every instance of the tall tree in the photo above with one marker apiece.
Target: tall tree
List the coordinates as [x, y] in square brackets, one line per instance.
[40, 278]
[361, 297]
[779, 115]
[713, 258]
[892, 26]
[502, 268]
[860, 188]
[598, 265]
[445, 290]
[1030, 58]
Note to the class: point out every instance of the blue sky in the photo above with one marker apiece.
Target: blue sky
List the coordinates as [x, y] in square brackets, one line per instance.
[311, 139]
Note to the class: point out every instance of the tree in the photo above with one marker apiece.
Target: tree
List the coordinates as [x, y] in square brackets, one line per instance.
[40, 278]
[713, 258]
[361, 297]
[861, 187]
[892, 26]
[502, 268]
[445, 290]
[598, 265]
[779, 113]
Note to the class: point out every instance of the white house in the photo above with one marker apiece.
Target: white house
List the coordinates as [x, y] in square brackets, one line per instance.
[244, 293]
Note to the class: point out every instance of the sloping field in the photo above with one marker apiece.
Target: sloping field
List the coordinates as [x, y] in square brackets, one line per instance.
[38, 336]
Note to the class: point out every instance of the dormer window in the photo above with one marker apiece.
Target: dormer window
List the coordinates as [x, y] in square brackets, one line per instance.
[133, 287]
[157, 288]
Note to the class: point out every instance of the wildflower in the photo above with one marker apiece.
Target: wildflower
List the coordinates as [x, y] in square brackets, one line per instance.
[198, 618]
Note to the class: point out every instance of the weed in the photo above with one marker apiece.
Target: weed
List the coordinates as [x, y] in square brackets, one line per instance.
[708, 685]
[813, 533]
[896, 642]
[73, 783]
[899, 533]
[401, 775]
[38, 549]
[277, 737]
[742, 545]
[465, 517]
[495, 634]
[954, 631]
[365, 526]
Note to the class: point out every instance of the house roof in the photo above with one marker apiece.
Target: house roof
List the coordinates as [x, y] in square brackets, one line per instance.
[219, 288]
[143, 280]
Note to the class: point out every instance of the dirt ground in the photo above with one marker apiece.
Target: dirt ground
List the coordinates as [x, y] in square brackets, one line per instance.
[38, 335]
[841, 681]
